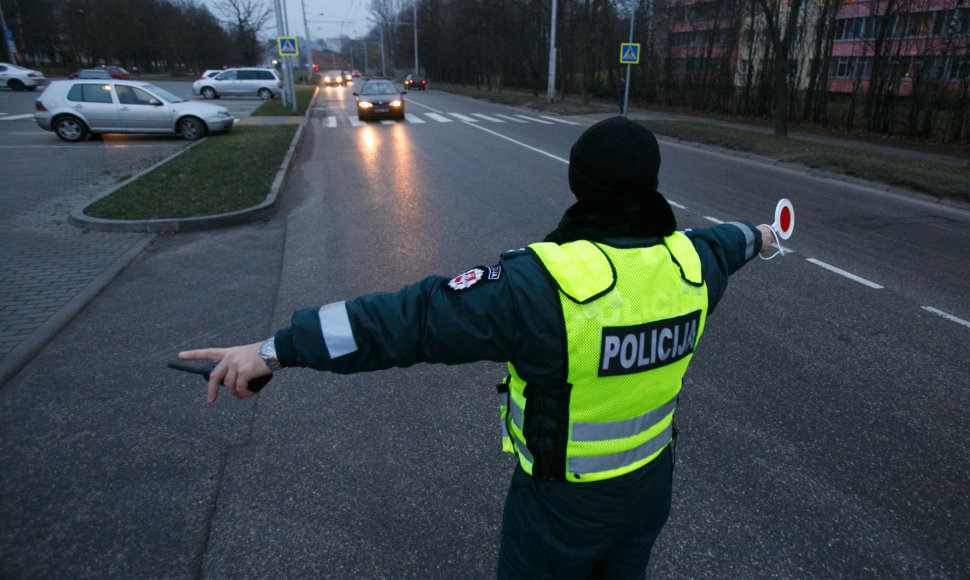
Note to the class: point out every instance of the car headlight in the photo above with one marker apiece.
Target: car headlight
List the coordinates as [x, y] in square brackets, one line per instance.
[396, 104]
[364, 105]
[223, 114]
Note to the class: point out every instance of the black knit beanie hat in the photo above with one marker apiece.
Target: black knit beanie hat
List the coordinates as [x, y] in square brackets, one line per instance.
[615, 158]
[613, 170]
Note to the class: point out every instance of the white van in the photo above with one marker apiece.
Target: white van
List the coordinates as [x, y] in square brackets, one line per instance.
[264, 83]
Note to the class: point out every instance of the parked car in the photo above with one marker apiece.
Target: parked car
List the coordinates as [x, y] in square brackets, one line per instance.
[415, 82]
[18, 78]
[379, 98]
[92, 73]
[264, 83]
[75, 108]
[334, 78]
[115, 72]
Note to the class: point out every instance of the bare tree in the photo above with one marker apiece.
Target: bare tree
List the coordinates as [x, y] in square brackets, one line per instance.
[782, 40]
[246, 19]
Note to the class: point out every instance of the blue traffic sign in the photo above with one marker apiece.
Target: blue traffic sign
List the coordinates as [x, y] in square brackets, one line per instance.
[287, 46]
[629, 53]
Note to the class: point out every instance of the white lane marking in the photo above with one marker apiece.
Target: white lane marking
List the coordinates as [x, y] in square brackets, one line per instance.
[355, 122]
[535, 119]
[488, 118]
[675, 204]
[388, 122]
[950, 317]
[330, 121]
[412, 118]
[530, 147]
[558, 120]
[712, 219]
[464, 118]
[17, 117]
[439, 118]
[511, 118]
[848, 275]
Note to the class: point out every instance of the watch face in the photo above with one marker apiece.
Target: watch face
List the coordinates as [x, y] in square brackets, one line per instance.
[267, 350]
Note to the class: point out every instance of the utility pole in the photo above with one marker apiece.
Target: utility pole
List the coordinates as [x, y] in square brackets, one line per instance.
[415, 16]
[309, 53]
[279, 32]
[552, 56]
[626, 87]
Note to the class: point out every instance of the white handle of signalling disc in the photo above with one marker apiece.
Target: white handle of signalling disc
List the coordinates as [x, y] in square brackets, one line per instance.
[783, 225]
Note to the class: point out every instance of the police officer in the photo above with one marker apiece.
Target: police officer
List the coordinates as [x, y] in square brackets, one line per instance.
[597, 323]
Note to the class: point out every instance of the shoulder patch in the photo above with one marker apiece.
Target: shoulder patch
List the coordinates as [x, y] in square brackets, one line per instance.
[473, 277]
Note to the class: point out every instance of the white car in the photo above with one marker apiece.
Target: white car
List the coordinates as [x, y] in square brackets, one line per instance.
[18, 78]
[72, 109]
[264, 83]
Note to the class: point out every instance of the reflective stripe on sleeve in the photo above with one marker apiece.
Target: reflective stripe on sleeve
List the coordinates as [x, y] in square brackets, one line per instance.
[599, 463]
[621, 429]
[748, 238]
[335, 327]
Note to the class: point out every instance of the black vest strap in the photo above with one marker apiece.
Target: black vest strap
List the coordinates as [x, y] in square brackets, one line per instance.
[546, 428]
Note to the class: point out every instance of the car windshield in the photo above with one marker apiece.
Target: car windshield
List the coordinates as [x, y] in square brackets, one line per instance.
[160, 92]
[377, 89]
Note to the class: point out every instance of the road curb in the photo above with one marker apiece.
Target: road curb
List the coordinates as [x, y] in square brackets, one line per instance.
[194, 224]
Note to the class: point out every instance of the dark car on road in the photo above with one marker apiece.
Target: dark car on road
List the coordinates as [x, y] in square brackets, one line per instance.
[115, 72]
[379, 98]
[414, 82]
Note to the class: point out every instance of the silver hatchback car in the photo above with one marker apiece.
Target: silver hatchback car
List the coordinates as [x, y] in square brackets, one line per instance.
[73, 109]
[264, 83]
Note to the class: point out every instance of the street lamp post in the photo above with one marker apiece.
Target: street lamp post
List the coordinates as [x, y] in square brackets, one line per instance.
[551, 88]
[415, 17]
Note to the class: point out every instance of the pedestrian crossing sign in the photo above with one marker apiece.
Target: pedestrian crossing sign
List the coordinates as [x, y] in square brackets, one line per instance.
[630, 53]
[287, 46]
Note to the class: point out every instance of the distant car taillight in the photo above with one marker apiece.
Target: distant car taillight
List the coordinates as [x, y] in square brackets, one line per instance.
[40, 107]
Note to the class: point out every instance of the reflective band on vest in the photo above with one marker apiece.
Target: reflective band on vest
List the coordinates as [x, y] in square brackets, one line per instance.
[620, 429]
[633, 317]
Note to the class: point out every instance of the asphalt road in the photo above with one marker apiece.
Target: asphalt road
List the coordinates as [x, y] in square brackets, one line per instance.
[49, 263]
[822, 429]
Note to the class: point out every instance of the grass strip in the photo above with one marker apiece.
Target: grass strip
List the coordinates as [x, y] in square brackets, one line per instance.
[935, 179]
[275, 108]
[222, 174]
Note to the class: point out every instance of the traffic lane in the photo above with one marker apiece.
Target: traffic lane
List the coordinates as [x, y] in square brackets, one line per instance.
[899, 242]
[553, 134]
[821, 434]
[395, 473]
[345, 238]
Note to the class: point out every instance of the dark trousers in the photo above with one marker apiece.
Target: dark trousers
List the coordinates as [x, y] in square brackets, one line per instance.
[602, 529]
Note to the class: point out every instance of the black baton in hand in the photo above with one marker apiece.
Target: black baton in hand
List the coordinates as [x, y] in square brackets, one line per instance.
[254, 385]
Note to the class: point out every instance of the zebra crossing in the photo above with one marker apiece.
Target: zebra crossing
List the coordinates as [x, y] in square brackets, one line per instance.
[331, 121]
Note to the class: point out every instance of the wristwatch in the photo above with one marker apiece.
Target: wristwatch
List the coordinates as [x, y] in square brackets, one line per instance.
[267, 351]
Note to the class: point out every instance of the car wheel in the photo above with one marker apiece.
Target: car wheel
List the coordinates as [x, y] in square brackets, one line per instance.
[191, 129]
[70, 129]
[16, 85]
[264, 94]
[209, 93]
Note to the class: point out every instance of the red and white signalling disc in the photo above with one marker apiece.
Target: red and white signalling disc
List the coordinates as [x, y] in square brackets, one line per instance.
[784, 219]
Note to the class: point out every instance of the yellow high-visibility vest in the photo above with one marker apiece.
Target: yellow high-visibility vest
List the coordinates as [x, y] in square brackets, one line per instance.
[633, 317]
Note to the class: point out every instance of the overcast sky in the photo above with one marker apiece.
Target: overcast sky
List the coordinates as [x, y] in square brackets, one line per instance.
[324, 18]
